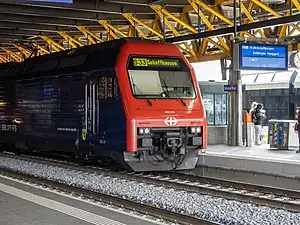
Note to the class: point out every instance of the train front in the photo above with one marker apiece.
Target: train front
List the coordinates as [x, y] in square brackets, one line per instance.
[165, 117]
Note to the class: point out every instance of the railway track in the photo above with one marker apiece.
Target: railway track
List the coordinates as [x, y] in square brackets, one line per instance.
[105, 198]
[261, 195]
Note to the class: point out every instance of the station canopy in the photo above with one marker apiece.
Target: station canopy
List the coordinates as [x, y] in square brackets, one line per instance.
[202, 29]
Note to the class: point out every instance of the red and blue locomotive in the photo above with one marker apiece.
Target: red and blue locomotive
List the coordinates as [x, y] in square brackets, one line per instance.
[136, 102]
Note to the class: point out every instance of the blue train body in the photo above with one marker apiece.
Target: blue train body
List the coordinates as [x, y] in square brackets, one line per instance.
[46, 105]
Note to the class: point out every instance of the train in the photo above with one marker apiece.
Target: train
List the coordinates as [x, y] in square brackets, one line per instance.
[135, 103]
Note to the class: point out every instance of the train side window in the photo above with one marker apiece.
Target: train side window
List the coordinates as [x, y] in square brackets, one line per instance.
[107, 88]
[102, 90]
[110, 89]
[116, 89]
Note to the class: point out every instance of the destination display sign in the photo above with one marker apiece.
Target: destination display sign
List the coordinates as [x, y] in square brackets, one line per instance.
[255, 56]
[155, 62]
[145, 62]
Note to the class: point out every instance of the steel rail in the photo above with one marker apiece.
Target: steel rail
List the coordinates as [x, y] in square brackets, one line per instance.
[235, 184]
[251, 193]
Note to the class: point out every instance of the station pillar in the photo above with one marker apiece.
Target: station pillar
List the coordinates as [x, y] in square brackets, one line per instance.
[234, 134]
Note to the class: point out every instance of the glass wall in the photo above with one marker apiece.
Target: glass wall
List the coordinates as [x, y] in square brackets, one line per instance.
[220, 109]
[216, 108]
[215, 102]
[208, 100]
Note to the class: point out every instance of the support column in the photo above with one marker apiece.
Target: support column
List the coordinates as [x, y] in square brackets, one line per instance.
[234, 133]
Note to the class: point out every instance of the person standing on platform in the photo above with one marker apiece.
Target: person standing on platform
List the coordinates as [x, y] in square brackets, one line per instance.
[297, 127]
[253, 107]
[257, 117]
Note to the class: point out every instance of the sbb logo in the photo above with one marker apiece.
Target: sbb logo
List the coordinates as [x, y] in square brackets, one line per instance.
[171, 121]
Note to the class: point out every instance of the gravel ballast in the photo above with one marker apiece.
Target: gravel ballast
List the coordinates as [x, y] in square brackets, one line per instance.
[215, 209]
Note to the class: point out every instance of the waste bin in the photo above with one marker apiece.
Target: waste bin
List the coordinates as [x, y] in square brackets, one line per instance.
[281, 134]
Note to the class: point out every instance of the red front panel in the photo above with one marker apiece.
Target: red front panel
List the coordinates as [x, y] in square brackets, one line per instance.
[163, 112]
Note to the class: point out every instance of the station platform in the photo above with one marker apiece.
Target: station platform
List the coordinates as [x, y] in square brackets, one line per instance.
[257, 164]
[22, 204]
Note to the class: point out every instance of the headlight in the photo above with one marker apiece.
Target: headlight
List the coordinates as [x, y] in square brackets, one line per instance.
[195, 130]
[144, 130]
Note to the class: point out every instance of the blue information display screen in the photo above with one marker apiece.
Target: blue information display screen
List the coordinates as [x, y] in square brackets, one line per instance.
[263, 57]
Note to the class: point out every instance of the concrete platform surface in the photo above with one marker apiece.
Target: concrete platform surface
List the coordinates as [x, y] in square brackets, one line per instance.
[23, 204]
[259, 159]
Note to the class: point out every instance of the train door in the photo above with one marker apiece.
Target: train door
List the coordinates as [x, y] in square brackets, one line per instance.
[97, 95]
[112, 115]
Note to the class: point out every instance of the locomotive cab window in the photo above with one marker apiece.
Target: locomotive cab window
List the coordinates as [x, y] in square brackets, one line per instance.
[160, 78]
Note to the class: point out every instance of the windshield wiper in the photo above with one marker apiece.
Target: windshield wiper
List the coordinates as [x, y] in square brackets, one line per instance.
[178, 97]
[148, 101]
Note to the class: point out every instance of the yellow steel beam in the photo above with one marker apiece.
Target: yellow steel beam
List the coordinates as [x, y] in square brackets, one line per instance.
[209, 25]
[193, 50]
[222, 2]
[3, 59]
[93, 38]
[188, 9]
[184, 17]
[73, 42]
[203, 47]
[109, 28]
[57, 47]
[135, 22]
[297, 4]
[131, 31]
[163, 13]
[159, 8]
[268, 9]
[217, 45]
[184, 50]
[110, 32]
[14, 55]
[173, 29]
[209, 9]
[249, 16]
[293, 29]
[156, 25]
[290, 47]
[167, 22]
[283, 29]
[249, 6]
[205, 58]
[204, 43]
[41, 49]
[23, 50]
